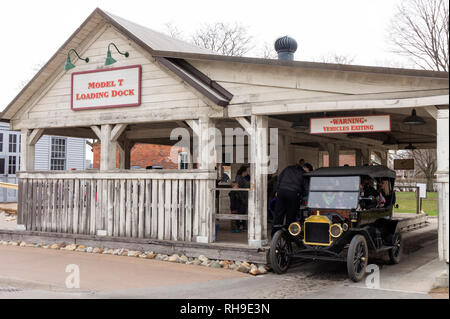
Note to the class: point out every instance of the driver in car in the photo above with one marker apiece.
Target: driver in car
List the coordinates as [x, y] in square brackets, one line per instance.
[367, 190]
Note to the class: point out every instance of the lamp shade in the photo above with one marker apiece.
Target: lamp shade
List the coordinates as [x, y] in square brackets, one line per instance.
[69, 65]
[413, 119]
[109, 59]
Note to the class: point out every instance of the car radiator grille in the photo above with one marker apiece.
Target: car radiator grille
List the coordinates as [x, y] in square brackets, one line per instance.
[317, 233]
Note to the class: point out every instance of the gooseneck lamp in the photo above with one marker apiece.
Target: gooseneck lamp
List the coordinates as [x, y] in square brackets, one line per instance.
[69, 65]
[109, 59]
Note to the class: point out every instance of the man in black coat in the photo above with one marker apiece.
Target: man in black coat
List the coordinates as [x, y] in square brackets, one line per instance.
[290, 191]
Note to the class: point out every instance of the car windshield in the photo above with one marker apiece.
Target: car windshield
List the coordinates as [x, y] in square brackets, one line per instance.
[340, 192]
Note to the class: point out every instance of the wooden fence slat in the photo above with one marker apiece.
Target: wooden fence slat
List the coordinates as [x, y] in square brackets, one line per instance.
[188, 212]
[167, 207]
[148, 208]
[30, 205]
[116, 207]
[84, 193]
[181, 209]
[70, 208]
[58, 205]
[54, 204]
[92, 208]
[128, 217]
[76, 206]
[141, 219]
[122, 227]
[135, 216]
[174, 210]
[66, 205]
[161, 209]
[104, 210]
[20, 201]
[39, 204]
[34, 205]
[110, 212]
[196, 211]
[154, 215]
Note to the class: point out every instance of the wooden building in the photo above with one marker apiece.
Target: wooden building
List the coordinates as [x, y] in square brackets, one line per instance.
[181, 85]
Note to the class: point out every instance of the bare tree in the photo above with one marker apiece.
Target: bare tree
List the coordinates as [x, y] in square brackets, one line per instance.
[336, 58]
[268, 51]
[420, 31]
[171, 29]
[224, 38]
[425, 164]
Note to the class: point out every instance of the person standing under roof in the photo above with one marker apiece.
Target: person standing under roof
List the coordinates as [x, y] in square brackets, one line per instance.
[290, 191]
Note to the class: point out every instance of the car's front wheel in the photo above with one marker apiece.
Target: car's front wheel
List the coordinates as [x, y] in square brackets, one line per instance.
[280, 252]
[357, 258]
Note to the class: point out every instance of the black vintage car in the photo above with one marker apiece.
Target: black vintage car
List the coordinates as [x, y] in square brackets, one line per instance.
[348, 214]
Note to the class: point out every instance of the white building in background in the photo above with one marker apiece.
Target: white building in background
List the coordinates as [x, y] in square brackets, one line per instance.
[51, 153]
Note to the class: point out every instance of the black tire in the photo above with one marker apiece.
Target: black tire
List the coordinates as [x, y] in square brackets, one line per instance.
[357, 258]
[280, 250]
[395, 253]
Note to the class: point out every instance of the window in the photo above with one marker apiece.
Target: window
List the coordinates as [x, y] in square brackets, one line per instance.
[2, 166]
[1, 142]
[183, 160]
[58, 154]
[12, 165]
[12, 143]
[339, 192]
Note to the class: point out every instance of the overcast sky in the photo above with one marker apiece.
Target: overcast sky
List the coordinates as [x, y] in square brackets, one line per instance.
[32, 31]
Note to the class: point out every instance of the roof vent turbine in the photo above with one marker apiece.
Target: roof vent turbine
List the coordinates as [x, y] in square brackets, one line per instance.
[285, 47]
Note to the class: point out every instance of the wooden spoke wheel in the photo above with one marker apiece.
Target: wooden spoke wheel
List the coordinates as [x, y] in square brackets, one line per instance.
[280, 252]
[357, 258]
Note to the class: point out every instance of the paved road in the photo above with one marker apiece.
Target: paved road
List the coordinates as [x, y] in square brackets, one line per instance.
[39, 273]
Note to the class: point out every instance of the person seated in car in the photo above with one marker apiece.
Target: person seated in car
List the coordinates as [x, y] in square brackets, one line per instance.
[367, 190]
[386, 193]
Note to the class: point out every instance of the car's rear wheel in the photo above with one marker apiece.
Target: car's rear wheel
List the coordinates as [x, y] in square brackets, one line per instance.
[395, 252]
[280, 252]
[357, 257]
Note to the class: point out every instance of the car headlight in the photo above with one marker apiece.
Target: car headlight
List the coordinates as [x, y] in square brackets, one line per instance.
[335, 230]
[294, 229]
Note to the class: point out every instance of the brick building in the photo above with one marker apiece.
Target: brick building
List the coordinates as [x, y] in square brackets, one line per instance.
[143, 155]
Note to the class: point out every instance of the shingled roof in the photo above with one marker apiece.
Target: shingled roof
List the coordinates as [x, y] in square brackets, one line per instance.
[154, 42]
[174, 54]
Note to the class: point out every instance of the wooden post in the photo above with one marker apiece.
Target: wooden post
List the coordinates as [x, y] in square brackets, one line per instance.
[28, 140]
[442, 179]
[204, 128]
[366, 156]
[333, 154]
[125, 146]
[257, 200]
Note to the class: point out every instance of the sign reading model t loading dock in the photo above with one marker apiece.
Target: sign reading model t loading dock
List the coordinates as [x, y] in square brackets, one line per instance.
[351, 124]
[117, 87]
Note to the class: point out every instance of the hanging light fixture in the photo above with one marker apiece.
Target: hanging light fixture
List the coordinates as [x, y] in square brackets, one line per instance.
[109, 59]
[413, 119]
[301, 125]
[69, 65]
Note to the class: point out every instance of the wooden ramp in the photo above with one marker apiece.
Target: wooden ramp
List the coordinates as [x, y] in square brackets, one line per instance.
[409, 221]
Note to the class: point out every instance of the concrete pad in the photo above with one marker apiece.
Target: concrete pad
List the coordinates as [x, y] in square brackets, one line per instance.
[34, 266]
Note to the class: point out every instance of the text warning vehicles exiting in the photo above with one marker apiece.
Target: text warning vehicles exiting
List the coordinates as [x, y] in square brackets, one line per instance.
[348, 214]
